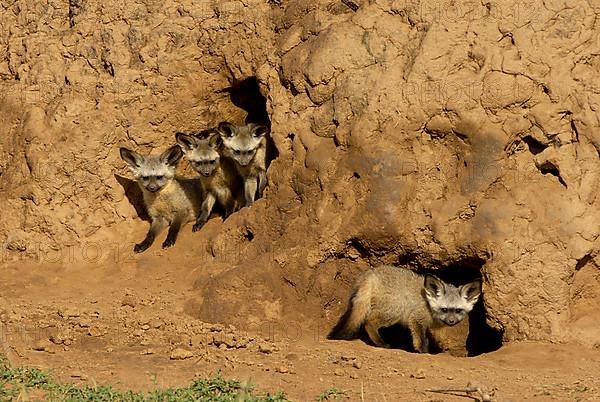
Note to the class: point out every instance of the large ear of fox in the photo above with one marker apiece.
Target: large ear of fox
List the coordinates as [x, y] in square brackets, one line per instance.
[172, 155]
[215, 141]
[187, 142]
[132, 158]
[433, 286]
[471, 291]
[258, 130]
[226, 129]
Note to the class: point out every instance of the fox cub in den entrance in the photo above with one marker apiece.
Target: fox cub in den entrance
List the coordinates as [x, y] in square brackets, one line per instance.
[388, 295]
[170, 201]
[247, 147]
[217, 175]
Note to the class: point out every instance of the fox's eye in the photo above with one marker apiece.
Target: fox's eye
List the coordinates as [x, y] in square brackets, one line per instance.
[212, 162]
[159, 177]
[444, 310]
[237, 152]
[145, 177]
[458, 310]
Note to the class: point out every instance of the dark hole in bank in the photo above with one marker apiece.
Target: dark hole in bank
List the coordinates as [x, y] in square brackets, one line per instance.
[246, 95]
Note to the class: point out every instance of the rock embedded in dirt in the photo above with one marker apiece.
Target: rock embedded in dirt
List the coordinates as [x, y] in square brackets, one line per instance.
[198, 340]
[282, 370]
[129, 300]
[224, 339]
[84, 322]
[215, 327]
[97, 331]
[181, 354]
[155, 323]
[418, 374]
[62, 336]
[266, 348]
[44, 345]
[69, 312]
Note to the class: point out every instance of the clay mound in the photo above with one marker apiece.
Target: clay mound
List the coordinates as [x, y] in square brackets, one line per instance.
[437, 134]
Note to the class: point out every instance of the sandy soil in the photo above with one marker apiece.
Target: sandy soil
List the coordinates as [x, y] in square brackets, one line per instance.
[123, 322]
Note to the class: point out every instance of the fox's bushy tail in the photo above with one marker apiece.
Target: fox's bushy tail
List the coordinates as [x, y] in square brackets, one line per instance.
[354, 317]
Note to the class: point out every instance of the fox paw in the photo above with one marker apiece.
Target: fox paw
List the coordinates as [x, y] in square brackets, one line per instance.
[138, 248]
[197, 226]
[168, 243]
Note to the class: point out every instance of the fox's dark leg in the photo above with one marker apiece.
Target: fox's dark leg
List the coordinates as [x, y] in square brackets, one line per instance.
[173, 232]
[250, 190]
[419, 337]
[425, 340]
[156, 227]
[228, 211]
[227, 202]
[205, 210]
[372, 329]
[262, 183]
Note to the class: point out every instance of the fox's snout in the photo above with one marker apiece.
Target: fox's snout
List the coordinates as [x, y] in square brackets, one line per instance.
[153, 187]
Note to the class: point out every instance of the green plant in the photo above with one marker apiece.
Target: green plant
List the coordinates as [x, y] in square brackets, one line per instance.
[16, 383]
[331, 394]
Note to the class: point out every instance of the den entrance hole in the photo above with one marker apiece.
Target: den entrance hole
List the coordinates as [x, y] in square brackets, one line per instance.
[246, 95]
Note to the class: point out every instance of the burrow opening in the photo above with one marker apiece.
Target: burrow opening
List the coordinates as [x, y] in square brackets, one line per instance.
[550, 168]
[482, 338]
[246, 95]
[535, 147]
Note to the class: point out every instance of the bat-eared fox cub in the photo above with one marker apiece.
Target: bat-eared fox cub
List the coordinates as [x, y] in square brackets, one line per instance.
[389, 295]
[170, 201]
[247, 147]
[217, 175]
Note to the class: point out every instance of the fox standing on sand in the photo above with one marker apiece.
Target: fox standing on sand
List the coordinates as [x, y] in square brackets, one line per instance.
[170, 201]
[217, 175]
[388, 295]
[247, 146]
